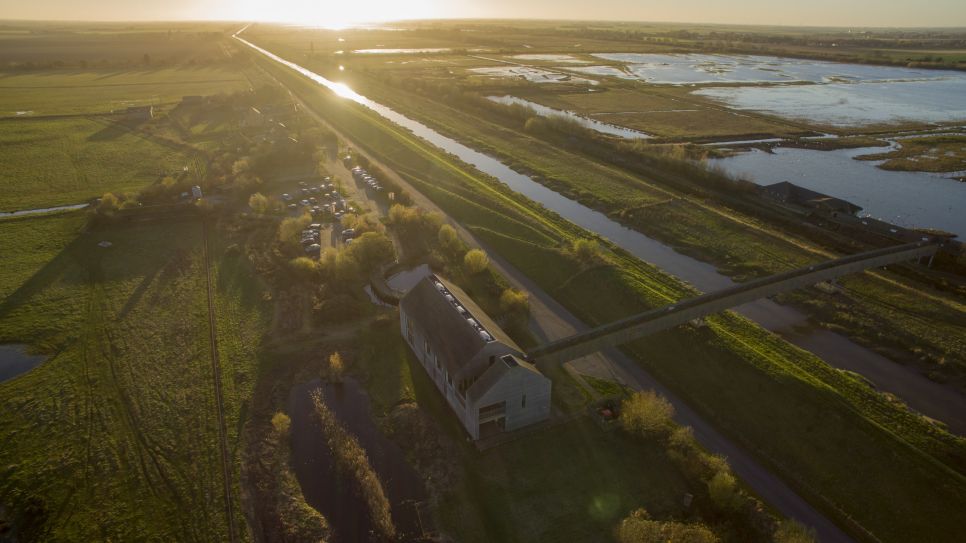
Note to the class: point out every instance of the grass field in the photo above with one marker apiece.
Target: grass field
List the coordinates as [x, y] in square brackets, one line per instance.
[793, 381]
[114, 435]
[931, 154]
[100, 90]
[68, 161]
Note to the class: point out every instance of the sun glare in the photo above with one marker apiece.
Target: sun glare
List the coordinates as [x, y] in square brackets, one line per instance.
[333, 16]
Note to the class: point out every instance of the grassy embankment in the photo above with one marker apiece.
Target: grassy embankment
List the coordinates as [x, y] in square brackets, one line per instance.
[913, 329]
[795, 383]
[69, 161]
[114, 436]
[940, 154]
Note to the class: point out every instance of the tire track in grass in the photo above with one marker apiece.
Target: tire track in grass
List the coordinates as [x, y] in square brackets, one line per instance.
[222, 428]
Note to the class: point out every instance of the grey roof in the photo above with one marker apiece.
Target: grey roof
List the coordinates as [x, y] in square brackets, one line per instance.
[496, 372]
[802, 195]
[454, 339]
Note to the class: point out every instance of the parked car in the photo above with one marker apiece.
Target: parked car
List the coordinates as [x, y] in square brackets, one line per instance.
[315, 190]
[314, 248]
[286, 197]
[292, 206]
[330, 186]
[348, 241]
[338, 216]
[326, 208]
[303, 184]
[380, 189]
[305, 192]
[304, 202]
[313, 201]
[350, 233]
[315, 227]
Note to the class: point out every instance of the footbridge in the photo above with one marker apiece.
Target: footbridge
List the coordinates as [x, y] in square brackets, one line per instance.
[645, 324]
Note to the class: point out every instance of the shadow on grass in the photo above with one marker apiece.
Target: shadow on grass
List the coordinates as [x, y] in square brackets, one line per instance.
[108, 133]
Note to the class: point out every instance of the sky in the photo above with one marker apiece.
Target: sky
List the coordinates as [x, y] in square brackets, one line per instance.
[845, 13]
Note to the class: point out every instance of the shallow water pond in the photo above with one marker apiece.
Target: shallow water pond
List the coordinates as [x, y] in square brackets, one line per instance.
[406, 280]
[15, 361]
[589, 123]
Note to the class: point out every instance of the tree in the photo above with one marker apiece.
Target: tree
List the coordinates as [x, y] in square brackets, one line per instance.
[204, 206]
[647, 413]
[792, 531]
[723, 491]
[448, 238]
[586, 249]
[281, 423]
[515, 302]
[639, 528]
[336, 368]
[477, 261]
[258, 203]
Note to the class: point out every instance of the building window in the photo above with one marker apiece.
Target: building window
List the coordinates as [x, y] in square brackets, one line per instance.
[438, 365]
[523, 402]
[409, 327]
[492, 359]
[449, 380]
[428, 350]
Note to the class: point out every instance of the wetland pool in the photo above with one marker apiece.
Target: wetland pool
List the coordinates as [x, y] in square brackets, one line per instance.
[15, 361]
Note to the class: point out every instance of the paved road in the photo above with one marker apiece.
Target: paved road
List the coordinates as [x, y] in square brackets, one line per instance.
[550, 321]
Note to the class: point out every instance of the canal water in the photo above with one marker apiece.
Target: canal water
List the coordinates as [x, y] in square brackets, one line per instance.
[406, 280]
[330, 492]
[933, 400]
[15, 361]
[43, 210]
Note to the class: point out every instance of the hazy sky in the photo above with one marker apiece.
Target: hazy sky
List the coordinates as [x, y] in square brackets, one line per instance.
[854, 13]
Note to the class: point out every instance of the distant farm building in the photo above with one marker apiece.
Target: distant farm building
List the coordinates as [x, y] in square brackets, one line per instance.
[252, 117]
[475, 365]
[140, 112]
[788, 193]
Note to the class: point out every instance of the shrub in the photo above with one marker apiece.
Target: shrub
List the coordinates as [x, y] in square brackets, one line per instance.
[647, 413]
[447, 235]
[258, 203]
[476, 261]
[290, 231]
[792, 531]
[351, 459]
[682, 438]
[336, 369]
[204, 205]
[639, 528]
[724, 492]
[281, 423]
[515, 302]
[107, 206]
[586, 249]
[304, 267]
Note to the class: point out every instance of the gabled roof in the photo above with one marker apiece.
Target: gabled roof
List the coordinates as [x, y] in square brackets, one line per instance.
[495, 373]
[448, 330]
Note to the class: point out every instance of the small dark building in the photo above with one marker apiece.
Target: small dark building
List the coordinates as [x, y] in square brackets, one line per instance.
[192, 100]
[140, 112]
[788, 193]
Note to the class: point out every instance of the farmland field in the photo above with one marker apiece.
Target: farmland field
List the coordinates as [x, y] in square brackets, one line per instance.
[100, 90]
[68, 161]
[114, 436]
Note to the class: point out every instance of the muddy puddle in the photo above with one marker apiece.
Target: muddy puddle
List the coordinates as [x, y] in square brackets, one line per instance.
[328, 491]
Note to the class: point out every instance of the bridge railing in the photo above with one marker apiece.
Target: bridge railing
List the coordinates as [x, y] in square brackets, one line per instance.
[704, 299]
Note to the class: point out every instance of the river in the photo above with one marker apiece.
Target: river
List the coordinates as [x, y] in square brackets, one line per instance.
[932, 399]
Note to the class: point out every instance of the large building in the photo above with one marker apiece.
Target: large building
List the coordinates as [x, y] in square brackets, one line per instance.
[475, 365]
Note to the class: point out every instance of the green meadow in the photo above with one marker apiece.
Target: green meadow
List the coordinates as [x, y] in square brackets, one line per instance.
[59, 162]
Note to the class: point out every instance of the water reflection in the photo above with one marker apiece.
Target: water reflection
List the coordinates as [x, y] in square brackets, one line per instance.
[15, 361]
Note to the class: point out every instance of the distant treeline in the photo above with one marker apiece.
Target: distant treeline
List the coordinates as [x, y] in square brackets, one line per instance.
[145, 61]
